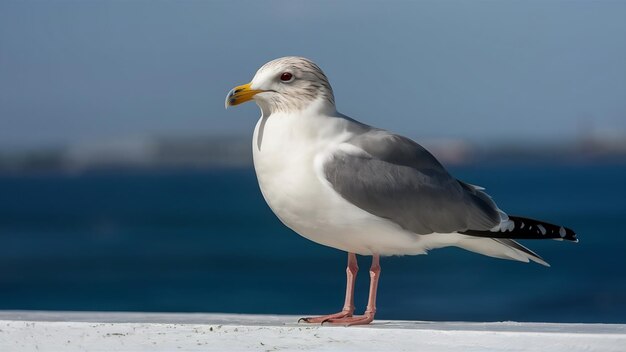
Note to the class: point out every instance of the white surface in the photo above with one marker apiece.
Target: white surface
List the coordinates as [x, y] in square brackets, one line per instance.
[111, 331]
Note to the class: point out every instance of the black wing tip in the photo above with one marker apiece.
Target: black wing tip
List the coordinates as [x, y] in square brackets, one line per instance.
[570, 235]
[542, 230]
[569, 238]
[530, 229]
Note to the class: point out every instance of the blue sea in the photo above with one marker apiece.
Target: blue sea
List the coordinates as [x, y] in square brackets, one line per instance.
[205, 241]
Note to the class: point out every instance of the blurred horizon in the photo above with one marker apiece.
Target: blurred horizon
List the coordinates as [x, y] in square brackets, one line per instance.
[235, 151]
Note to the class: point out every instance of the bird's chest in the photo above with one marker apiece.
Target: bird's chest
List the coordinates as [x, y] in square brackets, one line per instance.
[286, 165]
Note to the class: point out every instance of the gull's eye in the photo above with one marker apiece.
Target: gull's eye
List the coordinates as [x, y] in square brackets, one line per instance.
[286, 77]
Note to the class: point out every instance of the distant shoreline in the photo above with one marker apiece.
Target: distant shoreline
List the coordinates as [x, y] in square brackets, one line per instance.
[207, 153]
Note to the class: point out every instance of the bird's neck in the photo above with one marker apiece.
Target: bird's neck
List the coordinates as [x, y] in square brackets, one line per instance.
[318, 123]
[318, 107]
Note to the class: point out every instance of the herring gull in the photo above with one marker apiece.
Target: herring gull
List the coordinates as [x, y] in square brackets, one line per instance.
[364, 190]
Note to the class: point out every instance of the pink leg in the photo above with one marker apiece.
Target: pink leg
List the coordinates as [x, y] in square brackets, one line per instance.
[370, 312]
[348, 306]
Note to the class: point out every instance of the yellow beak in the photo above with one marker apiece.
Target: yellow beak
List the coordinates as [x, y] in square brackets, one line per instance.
[240, 94]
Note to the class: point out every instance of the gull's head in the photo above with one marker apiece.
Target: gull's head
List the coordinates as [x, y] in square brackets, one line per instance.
[286, 84]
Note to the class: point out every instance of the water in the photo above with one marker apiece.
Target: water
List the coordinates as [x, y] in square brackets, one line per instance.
[204, 241]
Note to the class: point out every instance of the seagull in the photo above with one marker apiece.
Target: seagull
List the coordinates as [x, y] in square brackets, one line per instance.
[363, 190]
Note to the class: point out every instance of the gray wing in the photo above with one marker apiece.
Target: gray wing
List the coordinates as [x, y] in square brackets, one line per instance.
[401, 181]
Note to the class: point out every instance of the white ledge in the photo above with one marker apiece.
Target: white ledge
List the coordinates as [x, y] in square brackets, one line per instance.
[114, 331]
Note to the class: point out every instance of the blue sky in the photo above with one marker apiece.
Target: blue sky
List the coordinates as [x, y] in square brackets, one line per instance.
[81, 71]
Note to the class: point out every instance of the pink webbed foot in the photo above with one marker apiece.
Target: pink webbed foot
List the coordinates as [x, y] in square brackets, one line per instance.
[323, 318]
[352, 320]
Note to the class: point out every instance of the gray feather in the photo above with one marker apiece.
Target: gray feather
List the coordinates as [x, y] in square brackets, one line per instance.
[401, 181]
